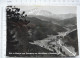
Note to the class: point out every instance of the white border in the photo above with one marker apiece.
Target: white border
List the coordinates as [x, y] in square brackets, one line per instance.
[30, 3]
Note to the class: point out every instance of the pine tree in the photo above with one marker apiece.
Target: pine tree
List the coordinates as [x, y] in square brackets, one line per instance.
[15, 21]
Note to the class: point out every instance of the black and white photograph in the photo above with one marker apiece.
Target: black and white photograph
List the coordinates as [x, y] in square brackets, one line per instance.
[41, 31]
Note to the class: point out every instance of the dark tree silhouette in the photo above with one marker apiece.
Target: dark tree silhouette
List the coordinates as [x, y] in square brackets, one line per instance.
[15, 21]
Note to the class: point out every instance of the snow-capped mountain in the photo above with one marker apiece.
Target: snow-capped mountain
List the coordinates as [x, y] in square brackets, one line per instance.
[46, 13]
[39, 12]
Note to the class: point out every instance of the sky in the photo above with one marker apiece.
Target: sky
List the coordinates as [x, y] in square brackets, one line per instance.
[52, 9]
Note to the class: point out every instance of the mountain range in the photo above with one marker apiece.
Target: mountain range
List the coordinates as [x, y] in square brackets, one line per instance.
[49, 14]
